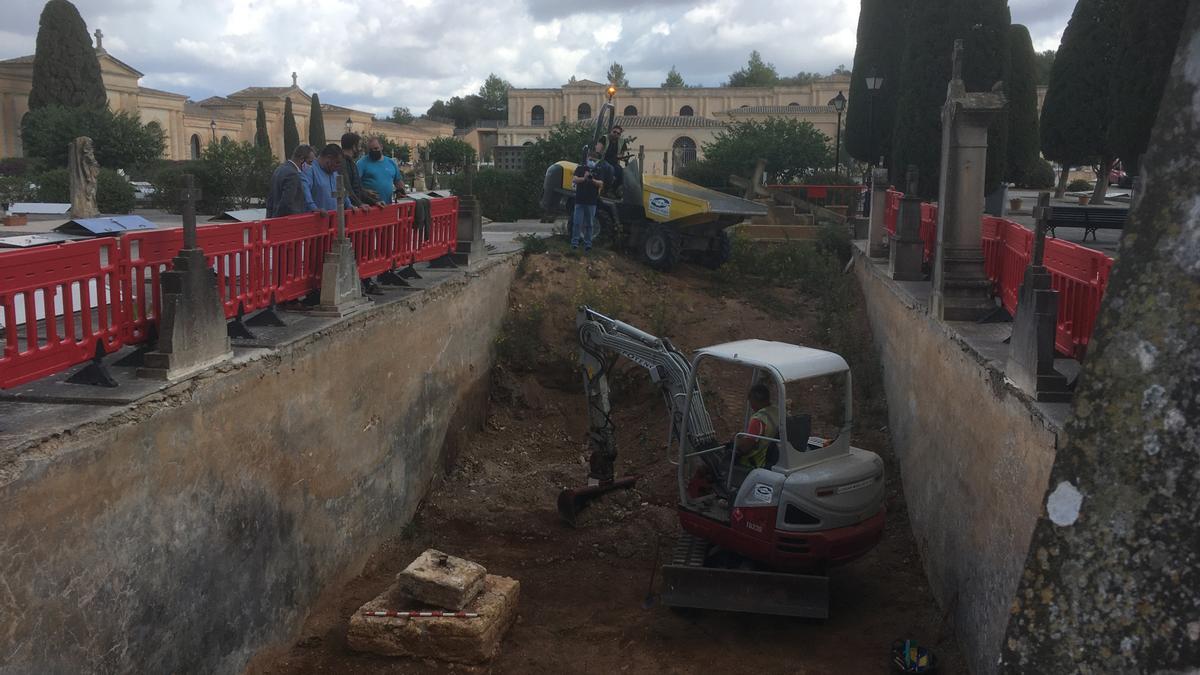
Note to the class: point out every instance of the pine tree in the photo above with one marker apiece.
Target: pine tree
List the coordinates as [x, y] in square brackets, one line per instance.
[261, 138]
[757, 73]
[1148, 37]
[1074, 125]
[66, 70]
[872, 115]
[674, 80]
[493, 98]
[291, 134]
[616, 76]
[316, 125]
[933, 25]
[1023, 154]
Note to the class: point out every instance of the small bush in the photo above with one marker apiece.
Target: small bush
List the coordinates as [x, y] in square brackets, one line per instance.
[505, 196]
[533, 244]
[114, 194]
[1040, 176]
[53, 186]
[1079, 185]
[15, 189]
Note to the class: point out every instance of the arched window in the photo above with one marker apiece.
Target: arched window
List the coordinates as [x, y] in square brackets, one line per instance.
[686, 111]
[585, 111]
[537, 116]
[683, 152]
[527, 143]
[195, 146]
[630, 111]
[793, 104]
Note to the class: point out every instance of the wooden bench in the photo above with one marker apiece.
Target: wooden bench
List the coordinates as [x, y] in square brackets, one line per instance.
[1090, 218]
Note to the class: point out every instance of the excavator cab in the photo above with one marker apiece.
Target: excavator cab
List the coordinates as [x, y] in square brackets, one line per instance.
[816, 501]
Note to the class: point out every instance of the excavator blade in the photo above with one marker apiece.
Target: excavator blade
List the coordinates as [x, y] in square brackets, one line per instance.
[573, 500]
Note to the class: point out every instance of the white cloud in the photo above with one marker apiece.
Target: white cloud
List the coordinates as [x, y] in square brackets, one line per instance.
[409, 52]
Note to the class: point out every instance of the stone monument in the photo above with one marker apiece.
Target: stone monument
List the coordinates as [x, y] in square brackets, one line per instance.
[84, 171]
[876, 229]
[192, 334]
[1031, 352]
[961, 290]
[906, 253]
[471, 248]
[1112, 579]
[419, 171]
[341, 290]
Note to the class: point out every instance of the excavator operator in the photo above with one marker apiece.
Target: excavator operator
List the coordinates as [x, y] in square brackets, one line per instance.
[752, 452]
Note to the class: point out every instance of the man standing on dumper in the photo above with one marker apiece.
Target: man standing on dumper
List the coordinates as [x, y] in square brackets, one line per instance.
[612, 156]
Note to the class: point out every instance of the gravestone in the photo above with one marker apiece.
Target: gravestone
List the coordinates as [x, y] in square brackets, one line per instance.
[1031, 352]
[471, 247]
[341, 290]
[906, 252]
[961, 289]
[191, 333]
[1112, 579]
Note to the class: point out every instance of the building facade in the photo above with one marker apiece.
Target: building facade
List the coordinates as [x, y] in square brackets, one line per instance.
[190, 125]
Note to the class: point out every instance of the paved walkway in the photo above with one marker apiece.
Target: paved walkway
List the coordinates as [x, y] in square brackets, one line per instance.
[1106, 240]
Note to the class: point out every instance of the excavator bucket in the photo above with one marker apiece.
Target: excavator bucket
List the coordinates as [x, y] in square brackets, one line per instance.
[573, 500]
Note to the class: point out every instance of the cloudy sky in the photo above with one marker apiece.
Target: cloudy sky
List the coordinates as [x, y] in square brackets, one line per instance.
[379, 54]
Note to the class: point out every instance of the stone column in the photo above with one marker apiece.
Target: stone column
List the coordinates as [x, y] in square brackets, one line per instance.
[341, 291]
[876, 231]
[471, 248]
[1031, 352]
[961, 290]
[906, 253]
[191, 334]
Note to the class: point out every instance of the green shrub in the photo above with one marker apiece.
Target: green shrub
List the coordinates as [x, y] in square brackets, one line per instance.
[1079, 185]
[827, 178]
[114, 193]
[15, 189]
[53, 186]
[1040, 176]
[505, 196]
[119, 140]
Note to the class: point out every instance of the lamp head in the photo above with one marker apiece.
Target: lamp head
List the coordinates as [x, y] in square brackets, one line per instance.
[612, 91]
[839, 102]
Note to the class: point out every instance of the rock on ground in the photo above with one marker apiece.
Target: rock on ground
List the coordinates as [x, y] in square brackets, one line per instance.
[442, 580]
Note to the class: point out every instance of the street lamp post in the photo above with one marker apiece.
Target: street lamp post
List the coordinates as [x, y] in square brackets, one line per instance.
[212, 125]
[874, 82]
[839, 104]
[349, 122]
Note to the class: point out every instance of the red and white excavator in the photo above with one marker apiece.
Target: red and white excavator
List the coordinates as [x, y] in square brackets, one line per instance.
[755, 539]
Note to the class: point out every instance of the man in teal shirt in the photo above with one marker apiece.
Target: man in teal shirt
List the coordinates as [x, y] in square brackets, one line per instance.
[380, 174]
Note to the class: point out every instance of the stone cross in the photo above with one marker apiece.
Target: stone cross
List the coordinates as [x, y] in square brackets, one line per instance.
[293, 78]
[99, 40]
[189, 194]
[340, 195]
[956, 60]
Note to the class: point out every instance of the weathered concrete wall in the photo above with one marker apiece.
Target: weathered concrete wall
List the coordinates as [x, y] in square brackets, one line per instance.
[975, 457]
[193, 529]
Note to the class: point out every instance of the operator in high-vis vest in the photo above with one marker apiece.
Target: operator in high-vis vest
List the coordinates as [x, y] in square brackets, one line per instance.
[752, 452]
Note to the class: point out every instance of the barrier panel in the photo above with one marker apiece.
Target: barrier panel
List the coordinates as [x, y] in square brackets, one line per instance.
[292, 252]
[57, 303]
[891, 211]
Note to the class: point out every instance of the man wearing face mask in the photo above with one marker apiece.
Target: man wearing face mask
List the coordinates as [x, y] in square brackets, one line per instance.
[319, 181]
[587, 194]
[286, 195]
[380, 174]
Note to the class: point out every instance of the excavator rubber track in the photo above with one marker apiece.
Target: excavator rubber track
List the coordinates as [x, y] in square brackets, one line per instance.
[689, 582]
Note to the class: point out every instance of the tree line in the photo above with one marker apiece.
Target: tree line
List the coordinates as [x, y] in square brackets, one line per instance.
[1104, 83]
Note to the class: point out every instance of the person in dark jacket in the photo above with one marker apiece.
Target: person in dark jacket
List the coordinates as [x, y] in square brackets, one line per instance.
[359, 196]
[286, 196]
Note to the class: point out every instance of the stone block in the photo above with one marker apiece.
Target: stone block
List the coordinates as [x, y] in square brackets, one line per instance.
[471, 641]
[442, 580]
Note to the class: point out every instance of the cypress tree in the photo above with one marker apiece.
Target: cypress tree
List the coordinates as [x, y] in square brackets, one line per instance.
[291, 134]
[933, 25]
[1148, 37]
[66, 71]
[261, 138]
[316, 125]
[1074, 124]
[872, 115]
[1023, 154]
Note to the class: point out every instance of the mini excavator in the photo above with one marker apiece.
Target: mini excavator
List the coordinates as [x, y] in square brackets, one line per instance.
[755, 539]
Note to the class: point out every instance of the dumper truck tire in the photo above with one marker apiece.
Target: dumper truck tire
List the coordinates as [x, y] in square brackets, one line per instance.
[661, 247]
[720, 251]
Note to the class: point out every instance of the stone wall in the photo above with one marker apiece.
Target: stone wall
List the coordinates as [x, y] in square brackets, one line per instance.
[975, 457]
[184, 533]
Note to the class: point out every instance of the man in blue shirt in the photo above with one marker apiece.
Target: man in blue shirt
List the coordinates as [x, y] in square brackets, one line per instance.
[380, 174]
[319, 180]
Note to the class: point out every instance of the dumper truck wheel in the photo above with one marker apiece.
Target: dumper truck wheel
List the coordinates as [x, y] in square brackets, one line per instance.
[661, 248]
[720, 251]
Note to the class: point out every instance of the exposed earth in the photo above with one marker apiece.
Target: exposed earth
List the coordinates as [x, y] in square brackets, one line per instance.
[583, 590]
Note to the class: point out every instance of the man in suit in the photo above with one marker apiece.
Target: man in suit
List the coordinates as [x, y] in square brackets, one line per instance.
[286, 195]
